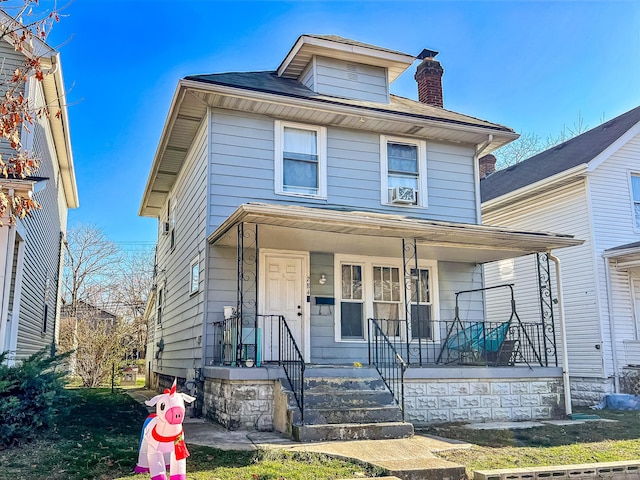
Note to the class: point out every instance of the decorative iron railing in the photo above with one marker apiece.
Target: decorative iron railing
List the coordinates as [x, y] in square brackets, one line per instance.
[388, 362]
[293, 363]
[239, 342]
[465, 343]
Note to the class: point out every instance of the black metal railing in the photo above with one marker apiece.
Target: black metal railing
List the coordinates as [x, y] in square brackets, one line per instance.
[293, 364]
[240, 341]
[465, 343]
[388, 362]
[260, 339]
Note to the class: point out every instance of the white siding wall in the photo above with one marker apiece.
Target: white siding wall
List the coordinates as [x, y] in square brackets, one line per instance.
[562, 211]
[242, 170]
[613, 224]
[349, 80]
[183, 313]
[42, 256]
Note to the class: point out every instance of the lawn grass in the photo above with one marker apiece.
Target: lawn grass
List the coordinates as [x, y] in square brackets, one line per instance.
[592, 441]
[99, 440]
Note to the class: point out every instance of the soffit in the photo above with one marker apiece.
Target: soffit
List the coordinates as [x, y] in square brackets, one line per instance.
[313, 229]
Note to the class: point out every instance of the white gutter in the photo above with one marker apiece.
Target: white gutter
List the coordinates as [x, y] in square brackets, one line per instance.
[563, 340]
[612, 330]
[373, 112]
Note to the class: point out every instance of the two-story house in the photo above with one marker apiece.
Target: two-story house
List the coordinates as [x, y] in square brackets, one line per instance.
[316, 228]
[588, 186]
[32, 249]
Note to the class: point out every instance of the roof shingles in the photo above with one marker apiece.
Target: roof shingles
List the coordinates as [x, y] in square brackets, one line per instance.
[576, 151]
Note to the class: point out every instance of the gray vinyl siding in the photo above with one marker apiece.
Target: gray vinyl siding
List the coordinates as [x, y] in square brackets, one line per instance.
[183, 313]
[452, 277]
[350, 80]
[613, 224]
[564, 210]
[42, 254]
[307, 78]
[242, 170]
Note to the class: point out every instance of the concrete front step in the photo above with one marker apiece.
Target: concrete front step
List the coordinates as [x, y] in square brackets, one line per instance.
[347, 399]
[338, 384]
[353, 415]
[352, 431]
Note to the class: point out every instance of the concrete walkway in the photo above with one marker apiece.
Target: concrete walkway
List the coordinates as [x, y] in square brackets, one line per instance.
[407, 458]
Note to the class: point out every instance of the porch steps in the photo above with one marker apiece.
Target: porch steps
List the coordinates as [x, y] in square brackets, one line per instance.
[346, 403]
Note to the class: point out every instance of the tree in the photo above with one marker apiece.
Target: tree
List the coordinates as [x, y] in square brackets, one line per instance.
[27, 30]
[530, 144]
[105, 292]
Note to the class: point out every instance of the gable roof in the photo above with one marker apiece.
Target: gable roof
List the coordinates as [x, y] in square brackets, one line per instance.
[270, 82]
[561, 158]
[307, 46]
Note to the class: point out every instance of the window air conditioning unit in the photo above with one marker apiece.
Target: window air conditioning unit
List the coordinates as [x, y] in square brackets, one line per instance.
[403, 195]
[165, 228]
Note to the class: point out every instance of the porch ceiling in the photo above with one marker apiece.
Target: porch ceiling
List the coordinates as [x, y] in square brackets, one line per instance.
[353, 232]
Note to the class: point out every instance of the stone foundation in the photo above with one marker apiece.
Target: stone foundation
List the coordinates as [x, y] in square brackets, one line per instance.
[239, 404]
[429, 402]
[586, 392]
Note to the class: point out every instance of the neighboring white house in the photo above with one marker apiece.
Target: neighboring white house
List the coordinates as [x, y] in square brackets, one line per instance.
[31, 251]
[309, 217]
[589, 187]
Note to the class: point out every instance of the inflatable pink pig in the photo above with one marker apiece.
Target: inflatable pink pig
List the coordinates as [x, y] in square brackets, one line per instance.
[162, 441]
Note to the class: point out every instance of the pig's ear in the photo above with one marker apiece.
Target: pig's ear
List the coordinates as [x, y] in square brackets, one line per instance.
[187, 398]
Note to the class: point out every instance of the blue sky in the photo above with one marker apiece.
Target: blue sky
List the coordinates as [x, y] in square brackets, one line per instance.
[531, 65]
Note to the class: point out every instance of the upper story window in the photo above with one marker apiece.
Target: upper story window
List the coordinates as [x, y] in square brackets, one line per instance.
[635, 191]
[194, 282]
[300, 160]
[403, 172]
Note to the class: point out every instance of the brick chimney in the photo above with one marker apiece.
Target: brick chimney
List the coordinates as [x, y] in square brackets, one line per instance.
[429, 78]
[487, 165]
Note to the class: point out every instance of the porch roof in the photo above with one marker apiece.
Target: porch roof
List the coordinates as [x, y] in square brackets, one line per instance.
[625, 256]
[358, 232]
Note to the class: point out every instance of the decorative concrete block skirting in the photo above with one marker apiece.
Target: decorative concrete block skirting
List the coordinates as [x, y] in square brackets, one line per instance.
[586, 392]
[629, 470]
[481, 395]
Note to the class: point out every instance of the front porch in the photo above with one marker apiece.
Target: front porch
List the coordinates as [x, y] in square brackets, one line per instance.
[400, 299]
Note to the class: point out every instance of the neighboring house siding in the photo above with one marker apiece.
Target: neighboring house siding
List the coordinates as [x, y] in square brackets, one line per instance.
[40, 280]
[565, 210]
[613, 224]
[183, 312]
[242, 170]
[350, 80]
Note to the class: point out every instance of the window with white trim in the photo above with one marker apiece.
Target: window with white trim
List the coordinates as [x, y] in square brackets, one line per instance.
[300, 159]
[403, 171]
[421, 302]
[194, 282]
[371, 287]
[159, 304]
[635, 192]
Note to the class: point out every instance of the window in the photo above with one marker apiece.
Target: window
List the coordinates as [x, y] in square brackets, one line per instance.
[171, 207]
[387, 302]
[300, 160]
[421, 304]
[194, 284]
[370, 287]
[403, 172]
[352, 304]
[635, 192]
[160, 305]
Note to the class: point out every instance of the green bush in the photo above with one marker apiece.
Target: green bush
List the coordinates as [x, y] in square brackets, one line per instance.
[32, 394]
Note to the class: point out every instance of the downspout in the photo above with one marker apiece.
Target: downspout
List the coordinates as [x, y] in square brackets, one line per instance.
[563, 339]
[480, 148]
[612, 330]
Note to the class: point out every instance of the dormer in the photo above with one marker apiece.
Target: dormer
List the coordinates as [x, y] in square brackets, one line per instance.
[332, 65]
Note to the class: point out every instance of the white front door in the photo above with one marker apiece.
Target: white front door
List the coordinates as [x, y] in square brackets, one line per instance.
[284, 293]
